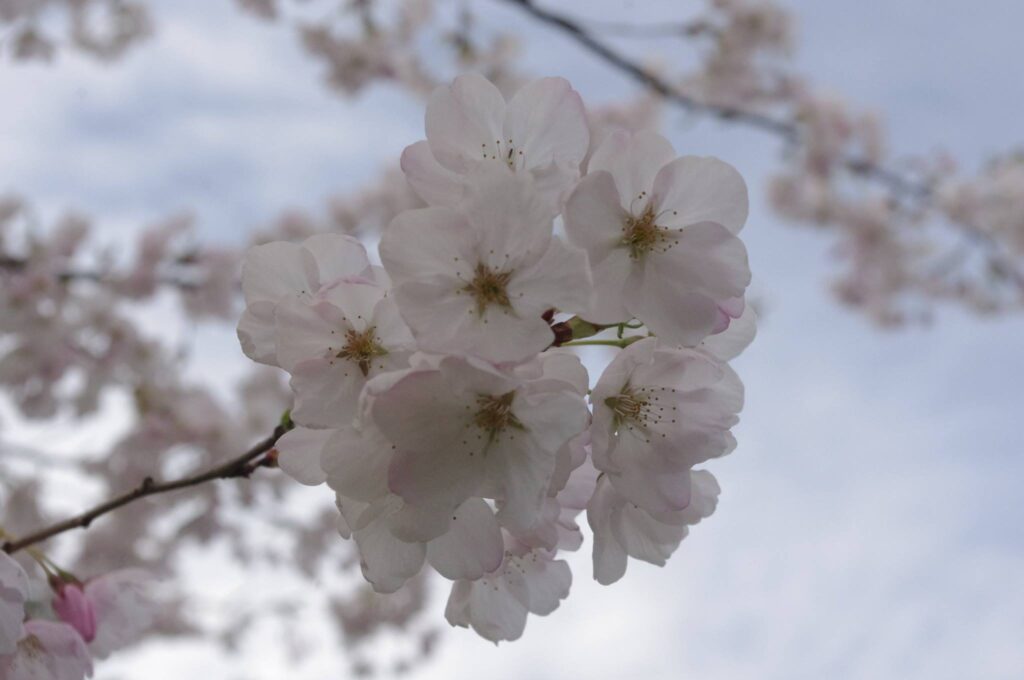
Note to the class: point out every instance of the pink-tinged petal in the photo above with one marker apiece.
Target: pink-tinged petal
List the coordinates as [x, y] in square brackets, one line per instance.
[394, 334]
[611, 280]
[14, 590]
[472, 546]
[427, 242]
[51, 650]
[387, 563]
[633, 159]
[356, 302]
[337, 256]
[356, 462]
[434, 183]
[420, 409]
[436, 482]
[547, 582]
[676, 316]
[491, 611]
[256, 332]
[610, 558]
[464, 121]
[326, 392]
[547, 122]
[125, 609]
[512, 224]
[76, 610]
[276, 270]
[559, 280]
[594, 217]
[306, 331]
[731, 342]
[649, 478]
[705, 257]
[696, 189]
[298, 454]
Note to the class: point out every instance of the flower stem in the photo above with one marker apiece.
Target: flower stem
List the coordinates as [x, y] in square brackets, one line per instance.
[620, 343]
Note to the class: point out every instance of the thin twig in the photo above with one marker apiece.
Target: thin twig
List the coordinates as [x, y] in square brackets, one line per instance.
[898, 185]
[242, 466]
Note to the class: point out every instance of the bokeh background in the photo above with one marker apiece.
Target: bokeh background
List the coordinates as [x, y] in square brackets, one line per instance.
[872, 520]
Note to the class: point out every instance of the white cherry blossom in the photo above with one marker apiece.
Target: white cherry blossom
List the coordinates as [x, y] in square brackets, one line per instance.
[658, 411]
[661, 236]
[332, 344]
[496, 606]
[541, 132]
[281, 271]
[465, 429]
[478, 279]
[623, 529]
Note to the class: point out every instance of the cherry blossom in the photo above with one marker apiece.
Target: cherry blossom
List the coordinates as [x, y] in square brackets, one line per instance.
[541, 132]
[334, 343]
[110, 611]
[13, 593]
[284, 272]
[661, 236]
[624, 529]
[658, 411]
[50, 650]
[497, 605]
[466, 429]
[478, 279]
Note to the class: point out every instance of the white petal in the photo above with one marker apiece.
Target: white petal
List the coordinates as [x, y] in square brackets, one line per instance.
[337, 256]
[298, 454]
[274, 270]
[473, 545]
[730, 343]
[546, 121]
[434, 183]
[387, 563]
[559, 280]
[696, 189]
[427, 242]
[124, 606]
[594, 216]
[356, 462]
[256, 332]
[634, 160]
[492, 611]
[463, 120]
[326, 392]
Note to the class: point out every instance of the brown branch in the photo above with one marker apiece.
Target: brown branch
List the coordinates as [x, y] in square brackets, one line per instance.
[785, 129]
[258, 456]
[898, 185]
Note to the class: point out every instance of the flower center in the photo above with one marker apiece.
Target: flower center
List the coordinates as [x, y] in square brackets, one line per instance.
[362, 347]
[628, 407]
[495, 414]
[488, 287]
[506, 152]
[638, 410]
[642, 234]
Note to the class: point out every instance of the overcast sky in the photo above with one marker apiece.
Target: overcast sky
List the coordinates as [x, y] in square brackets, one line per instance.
[871, 519]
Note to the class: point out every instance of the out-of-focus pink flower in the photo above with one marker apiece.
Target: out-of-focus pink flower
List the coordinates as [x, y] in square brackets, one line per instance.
[108, 612]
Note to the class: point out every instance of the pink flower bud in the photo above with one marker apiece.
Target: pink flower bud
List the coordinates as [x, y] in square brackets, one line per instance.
[75, 609]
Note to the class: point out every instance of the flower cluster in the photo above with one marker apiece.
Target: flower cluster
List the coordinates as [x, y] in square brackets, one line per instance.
[91, 620]
[439, 397]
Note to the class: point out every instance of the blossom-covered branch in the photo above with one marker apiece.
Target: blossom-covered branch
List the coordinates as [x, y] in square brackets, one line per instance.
[260, 455]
